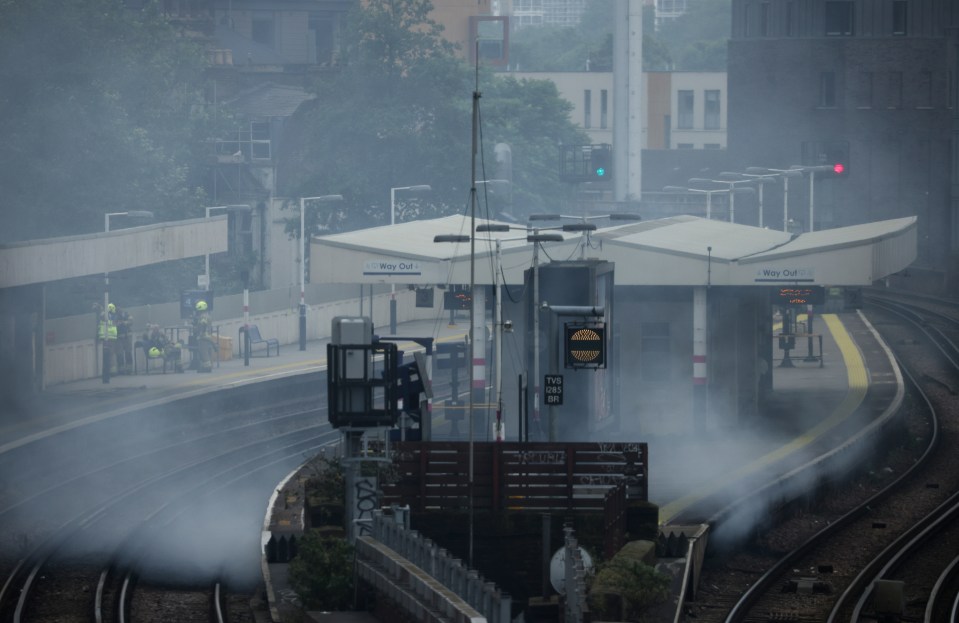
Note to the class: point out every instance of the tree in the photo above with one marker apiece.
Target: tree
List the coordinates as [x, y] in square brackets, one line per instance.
[588, 46]
[98, 108]
[697, 38]
[322, 572]
[397, 112]
[101, 110]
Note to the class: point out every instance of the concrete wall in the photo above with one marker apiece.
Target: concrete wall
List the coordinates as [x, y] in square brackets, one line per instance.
[656, 346]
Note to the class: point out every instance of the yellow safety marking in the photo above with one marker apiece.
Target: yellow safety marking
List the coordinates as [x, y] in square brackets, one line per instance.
[858, 384]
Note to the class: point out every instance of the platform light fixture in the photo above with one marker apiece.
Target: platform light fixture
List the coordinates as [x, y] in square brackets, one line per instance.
[731, 189]
[785, 174]
[709, 195]
[811, 171]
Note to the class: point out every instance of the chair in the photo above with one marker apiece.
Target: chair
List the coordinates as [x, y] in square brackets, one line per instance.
[255, 339]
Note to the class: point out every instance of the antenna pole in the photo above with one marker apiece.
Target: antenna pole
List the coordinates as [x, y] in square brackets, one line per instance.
[472, 333]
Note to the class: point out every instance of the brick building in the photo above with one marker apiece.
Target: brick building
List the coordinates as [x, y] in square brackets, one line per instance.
[869, 82]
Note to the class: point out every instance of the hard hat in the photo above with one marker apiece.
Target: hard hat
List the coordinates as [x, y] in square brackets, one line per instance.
[154, 352]
[201, 305]
[111, 307]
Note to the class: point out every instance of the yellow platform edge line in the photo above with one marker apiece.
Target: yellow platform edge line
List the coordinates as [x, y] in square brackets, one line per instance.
[858, 383]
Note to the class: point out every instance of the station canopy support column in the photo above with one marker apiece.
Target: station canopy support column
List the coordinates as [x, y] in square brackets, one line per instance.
[700, 385]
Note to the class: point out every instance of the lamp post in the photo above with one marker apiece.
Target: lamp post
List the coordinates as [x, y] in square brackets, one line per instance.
[303, 200]
[141, 214]
[413, 189]
[498, 321]
[497, 285]
[785, 174]
[583, 224]
[709, 195]
[811, 170]
[732, 190]
[761, 177]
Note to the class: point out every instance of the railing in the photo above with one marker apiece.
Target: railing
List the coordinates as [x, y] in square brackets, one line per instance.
[575, 573]
[424, 579]
[516, 476]
[614, 520]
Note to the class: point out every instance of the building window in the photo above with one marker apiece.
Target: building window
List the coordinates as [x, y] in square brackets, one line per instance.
[654, 356]
[864, 95]
[711, 110]
[924, 89]
[322, 30]
[603, 108]
[894, 92]
[260, 140]
[827, 89]
[684, 146]
[712, 146]
[839, 22]
[262, 30]
[899, 17]
[764, 19]
[587, 108]
[491, 39]
[790, 19]
[685, 109]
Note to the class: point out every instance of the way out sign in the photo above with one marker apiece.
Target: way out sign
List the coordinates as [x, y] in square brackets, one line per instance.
[553, 390]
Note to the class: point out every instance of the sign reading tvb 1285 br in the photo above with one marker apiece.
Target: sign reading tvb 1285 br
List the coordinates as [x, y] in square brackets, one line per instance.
[553, 390]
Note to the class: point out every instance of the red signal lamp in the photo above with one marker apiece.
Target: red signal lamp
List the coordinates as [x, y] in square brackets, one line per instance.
[839, 168]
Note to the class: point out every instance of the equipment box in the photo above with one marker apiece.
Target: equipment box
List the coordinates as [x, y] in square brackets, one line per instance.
[226, 348]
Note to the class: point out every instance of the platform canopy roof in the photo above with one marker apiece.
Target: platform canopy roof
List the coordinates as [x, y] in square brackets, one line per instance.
[680, 251]
[43, 261]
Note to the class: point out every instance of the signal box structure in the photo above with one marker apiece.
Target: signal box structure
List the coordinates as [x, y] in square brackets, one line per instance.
[589, 398]
[362, 385]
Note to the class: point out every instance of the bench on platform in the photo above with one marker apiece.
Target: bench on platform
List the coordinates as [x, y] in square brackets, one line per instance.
[255, 339]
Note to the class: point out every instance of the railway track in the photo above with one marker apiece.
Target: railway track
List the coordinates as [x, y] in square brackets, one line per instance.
[140, 496]
[84, 521]
[891, 526]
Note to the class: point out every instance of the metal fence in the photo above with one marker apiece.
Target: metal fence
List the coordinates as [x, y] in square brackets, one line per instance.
[450, 588]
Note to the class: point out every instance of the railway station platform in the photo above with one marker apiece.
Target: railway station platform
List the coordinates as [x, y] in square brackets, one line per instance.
[812, 404]
[74, 404]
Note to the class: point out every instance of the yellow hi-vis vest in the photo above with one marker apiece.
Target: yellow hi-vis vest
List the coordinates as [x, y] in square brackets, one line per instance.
[107, 330]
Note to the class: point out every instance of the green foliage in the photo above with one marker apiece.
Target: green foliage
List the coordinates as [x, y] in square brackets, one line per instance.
[397, 113]
[327, 479]
[638, 585]
[322, 572]
[588, 46]
[697, 39]
[99, 108]
[534, 119]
